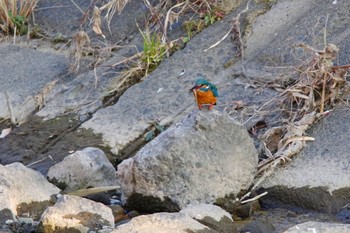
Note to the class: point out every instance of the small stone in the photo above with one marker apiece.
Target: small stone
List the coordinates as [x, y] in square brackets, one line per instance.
[9, 222]
[25, 220]
[105, 230]
[117, 209]
[85, 168]
[78, 213]
[115, 202]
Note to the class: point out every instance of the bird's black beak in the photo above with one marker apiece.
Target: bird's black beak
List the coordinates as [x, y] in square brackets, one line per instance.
[193, 88]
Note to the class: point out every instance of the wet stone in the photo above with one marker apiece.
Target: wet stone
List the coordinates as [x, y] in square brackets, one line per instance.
[40, 144]
[149, 204]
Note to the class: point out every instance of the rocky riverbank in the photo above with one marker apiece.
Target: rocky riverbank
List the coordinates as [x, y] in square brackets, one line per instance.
[98, 144]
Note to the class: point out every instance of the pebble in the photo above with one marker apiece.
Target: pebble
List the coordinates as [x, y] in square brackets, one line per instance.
[25, 220]
[9, 221]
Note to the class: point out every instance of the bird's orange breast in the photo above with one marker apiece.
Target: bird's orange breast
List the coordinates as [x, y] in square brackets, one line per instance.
[205, 97]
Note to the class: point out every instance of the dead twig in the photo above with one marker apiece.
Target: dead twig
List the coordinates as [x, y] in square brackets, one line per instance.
[9, 105]
[318, 87]
[40, 160]
[80, 43]
[166, 22]
[237, 32]
[254, 198]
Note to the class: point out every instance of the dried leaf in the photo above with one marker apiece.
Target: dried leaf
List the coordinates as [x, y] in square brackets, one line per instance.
[90, 191]
[96, 27]
[80, 43]
[272, 137]
[5, 132]
[296, 94]
[40, 97]
[257, 126]
[239, 104]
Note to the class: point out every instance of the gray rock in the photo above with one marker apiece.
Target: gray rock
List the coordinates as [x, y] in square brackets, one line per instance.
[200, 211]
[24, 220]
[64, 18]
[212, 216]
[82, 169]
[86, 92]
[5, 231]
[194, 218]
[160, 223]
[60, 17]
[77, 95]
[18, 185]
[205, 156]
[268, 27]
[319, 227]
[163, 94]
[83, 93]
[24, 74]
[76, 213]
[318, 178]
[288, 23]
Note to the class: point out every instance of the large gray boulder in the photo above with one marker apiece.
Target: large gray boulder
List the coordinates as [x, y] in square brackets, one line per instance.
[205, 156]
[194, 218]
[83, 169]
[25, 82]
[319, 177]
[22, 185]
[71, 213]
[319, 227]
[275, 34]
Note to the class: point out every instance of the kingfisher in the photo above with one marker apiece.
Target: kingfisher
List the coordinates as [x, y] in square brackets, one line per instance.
[205, 93]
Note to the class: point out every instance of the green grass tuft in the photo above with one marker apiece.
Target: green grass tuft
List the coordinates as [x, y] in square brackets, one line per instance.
[14, 15]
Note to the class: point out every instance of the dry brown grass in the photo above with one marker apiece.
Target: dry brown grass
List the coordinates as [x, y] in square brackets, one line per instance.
[80, 46]
[312, 96]
[156, 46]
[14, 14]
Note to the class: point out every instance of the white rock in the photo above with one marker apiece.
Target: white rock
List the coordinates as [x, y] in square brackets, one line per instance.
[78, 213]
[160, 223]
[84, 168]
[203, 157]
[19, 184]
[24, 220]
[190, 219]
[212, 216]
[201, 211]
[319, 227]
[9, 221]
